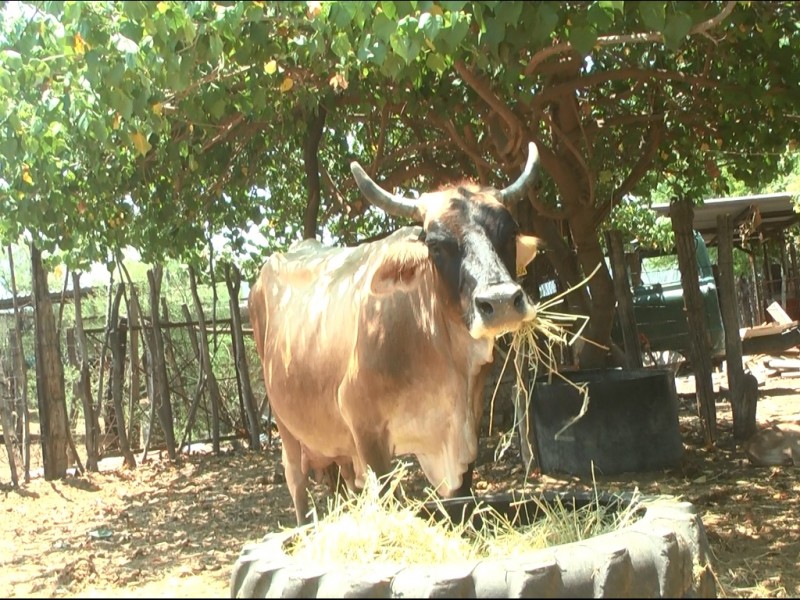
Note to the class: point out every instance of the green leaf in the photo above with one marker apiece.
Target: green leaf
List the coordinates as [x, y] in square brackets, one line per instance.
[9, 147]
[12, 58]
[405, 47]
[389, 9]
[508, 12]
[215, 46]
[653, 15]
[583, 38]
[452, 6]
[430, 25]
[383, 27]
[453, 36]
[123, 44]
[342, 13]
[122, 103]
[136, 11]
[436, 63]
[217, 109]
[341, 45]
[676, 29]
[546, 21]
[602, 19]
[617, 5]
[495, 32]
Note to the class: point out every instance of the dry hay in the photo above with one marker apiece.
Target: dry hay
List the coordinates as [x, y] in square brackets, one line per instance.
[381, 525]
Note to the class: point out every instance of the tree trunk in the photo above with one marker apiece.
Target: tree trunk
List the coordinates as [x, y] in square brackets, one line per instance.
[134, 322]
[205, 362]
[316, 126]
[233, 279]
[116, 338]
[595, 351]
[682, 216]
[6, 421]
[84, 383]
[622, 287]
[22, 373]
[743, 404]
[157, 366]
[49, 376]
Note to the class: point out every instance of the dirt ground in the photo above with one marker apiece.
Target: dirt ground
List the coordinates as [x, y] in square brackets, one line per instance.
[175, 530]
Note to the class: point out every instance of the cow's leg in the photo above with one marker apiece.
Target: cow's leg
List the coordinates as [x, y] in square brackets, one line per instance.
[296, 479]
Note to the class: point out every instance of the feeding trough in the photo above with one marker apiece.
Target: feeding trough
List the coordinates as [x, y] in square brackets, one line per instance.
[630, 423]
[662, 554]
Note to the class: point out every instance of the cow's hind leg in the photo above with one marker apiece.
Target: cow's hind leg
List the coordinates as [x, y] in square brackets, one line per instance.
[296, 478]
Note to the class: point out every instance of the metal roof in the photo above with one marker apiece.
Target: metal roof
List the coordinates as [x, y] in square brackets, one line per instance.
[763, 215]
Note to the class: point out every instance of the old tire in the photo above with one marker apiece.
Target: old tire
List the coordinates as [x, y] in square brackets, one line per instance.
[664, 554]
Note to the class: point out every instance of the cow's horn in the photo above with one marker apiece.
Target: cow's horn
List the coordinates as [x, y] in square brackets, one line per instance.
[514, 193]
[393, 204]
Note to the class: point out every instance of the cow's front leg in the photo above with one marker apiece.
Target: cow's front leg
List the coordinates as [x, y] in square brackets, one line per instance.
[296, 478]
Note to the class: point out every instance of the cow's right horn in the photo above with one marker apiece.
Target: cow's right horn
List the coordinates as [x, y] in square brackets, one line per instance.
[393, 204]
[514, 192]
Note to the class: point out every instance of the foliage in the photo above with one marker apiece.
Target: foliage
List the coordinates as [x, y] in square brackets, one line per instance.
[154, 124]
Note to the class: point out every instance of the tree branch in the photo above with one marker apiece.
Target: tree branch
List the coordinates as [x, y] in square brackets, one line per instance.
[482, 88]
[634, 38]
[549, 94]
[381, 139]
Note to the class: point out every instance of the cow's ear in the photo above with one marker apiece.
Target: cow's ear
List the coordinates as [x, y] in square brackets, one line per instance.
[527, 246]
[400, 268]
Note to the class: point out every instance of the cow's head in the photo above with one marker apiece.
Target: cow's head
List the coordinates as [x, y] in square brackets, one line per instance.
[473, 243]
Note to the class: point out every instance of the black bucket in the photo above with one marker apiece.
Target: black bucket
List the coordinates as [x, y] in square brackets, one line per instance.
[631, 424]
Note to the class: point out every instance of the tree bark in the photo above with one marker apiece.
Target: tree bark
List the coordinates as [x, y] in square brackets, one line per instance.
[743, 404]
[205, 362]
[233, 279]
[22, 373]
[595, 352]
[116, 338]
[622, 287]
[157, 371]
[682, 216]
[6, 421]
[134, 327]
[316, 126]
[49, 376]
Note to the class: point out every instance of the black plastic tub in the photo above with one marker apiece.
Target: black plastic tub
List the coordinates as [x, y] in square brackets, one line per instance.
[631, 424]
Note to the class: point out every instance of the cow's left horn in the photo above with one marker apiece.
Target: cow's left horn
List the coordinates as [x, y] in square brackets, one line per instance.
[514, 193]
[393, 204]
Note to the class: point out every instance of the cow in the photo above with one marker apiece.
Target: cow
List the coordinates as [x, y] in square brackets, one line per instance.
[382, 349]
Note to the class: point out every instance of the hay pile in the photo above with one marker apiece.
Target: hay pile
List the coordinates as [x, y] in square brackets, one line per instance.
[375, 528]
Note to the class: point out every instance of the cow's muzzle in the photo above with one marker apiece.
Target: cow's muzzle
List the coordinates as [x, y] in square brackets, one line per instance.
[500, 308]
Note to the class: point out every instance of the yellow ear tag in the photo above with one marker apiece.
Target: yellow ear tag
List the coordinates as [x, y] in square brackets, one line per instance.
[522, 270]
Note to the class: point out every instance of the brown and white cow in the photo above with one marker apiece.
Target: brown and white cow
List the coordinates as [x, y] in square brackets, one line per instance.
[382, 349]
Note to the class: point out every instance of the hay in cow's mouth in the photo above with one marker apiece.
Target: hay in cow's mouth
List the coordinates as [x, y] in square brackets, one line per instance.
[387, 528]
[552, 328]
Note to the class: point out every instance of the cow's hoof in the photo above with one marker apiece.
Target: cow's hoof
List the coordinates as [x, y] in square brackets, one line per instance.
[664, 554]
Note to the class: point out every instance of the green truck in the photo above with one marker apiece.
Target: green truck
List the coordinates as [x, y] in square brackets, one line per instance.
[659, 307]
